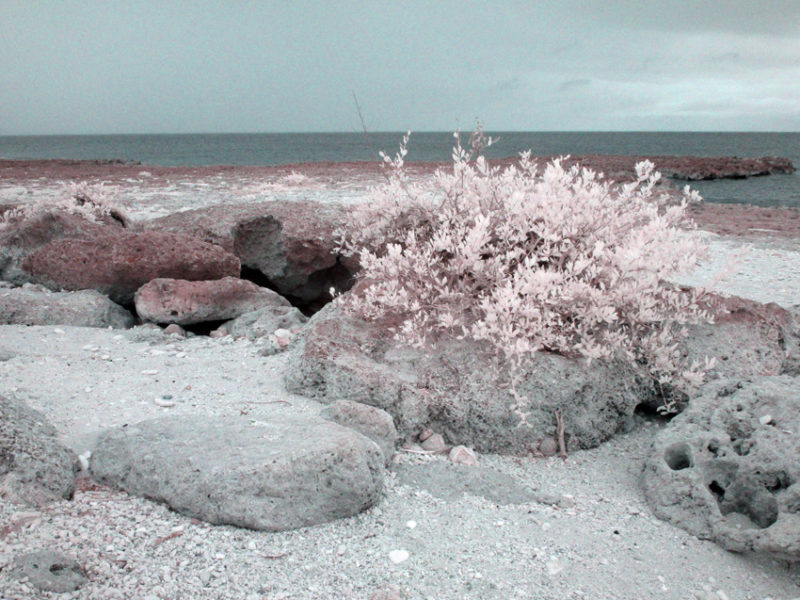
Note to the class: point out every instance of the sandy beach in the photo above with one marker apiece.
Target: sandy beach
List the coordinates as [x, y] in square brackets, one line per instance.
[575, 529]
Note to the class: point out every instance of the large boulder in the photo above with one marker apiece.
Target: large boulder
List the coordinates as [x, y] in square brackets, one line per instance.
[290, 471]
[35, 468]
[747, 339]
[266, 321]
[454, 390]
[23, 235]
[118, 265]
[188, 302]
[728, 468]
[290, 243]
[34, 305]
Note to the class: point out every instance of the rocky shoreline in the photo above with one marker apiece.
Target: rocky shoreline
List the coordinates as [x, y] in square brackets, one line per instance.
[394, 495]
[689, 168]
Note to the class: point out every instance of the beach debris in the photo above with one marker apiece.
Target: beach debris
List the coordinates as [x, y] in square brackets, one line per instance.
[398, 556]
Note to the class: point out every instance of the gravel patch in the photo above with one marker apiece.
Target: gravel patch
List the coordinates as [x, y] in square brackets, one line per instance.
[589, 534]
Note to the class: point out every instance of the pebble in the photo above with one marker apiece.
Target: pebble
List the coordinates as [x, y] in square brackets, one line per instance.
[461, 455]
[398, 556]
[163, 403]
[765, 420]
[434, 443]
[150, 372]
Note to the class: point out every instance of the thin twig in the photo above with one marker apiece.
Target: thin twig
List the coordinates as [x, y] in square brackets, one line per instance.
[562, 446]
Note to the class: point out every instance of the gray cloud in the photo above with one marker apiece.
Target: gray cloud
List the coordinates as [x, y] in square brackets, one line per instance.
[574, 83]
[95, 67]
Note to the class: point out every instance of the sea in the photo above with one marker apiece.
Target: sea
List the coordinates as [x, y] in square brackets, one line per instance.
[293, 148]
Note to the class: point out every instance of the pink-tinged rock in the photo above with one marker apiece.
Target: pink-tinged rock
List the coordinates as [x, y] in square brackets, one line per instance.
[188, 302]
[291, 243]
[118, 265]
[22, 236]
[461, 455]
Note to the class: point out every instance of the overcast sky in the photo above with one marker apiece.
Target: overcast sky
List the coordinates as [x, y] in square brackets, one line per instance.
[173, 66]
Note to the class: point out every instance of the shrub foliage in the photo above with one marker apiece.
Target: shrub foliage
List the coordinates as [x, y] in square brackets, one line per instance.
[528, 260]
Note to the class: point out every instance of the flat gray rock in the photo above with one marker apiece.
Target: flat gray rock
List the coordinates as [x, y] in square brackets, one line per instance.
[33, 305]
[728, 468]
[49, 571]
[293, 471]
[35, 468]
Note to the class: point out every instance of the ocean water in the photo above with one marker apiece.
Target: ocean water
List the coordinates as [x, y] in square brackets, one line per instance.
[291, 148]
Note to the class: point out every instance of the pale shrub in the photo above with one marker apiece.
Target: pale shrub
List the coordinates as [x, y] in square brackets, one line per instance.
[95, 203]
[554, 260]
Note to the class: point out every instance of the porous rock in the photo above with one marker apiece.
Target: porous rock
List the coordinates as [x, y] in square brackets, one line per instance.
[33, 305]
[747, 339]
[20, 237]
[189, 302]
[722, 474]
[292, 470]
[266, 321]
[118, 265]
[49, 571]
[35, 468]
[290, 243]
[374, 423]
[454, 390]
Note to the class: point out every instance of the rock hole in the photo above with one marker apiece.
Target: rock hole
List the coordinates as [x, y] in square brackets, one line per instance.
[315, 292]
[678, 456]
[57, 568]
[749, 497]
[718, 491]
[742, 447]
[713, 447]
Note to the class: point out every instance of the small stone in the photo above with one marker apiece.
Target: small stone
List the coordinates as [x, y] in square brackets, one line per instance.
[548, 446]
[219, 332]
[425, 434]
[435, 443]
[175, 329]
[412, 447]
[163, 403]
[567, 501]
[282, 333]
[554, 566]
[411, 524]
[341, 549]
[205, 577]
[398, 556]
[150, 372]
[461, 455]
[84, 459]
[765, 420]
[251, 545]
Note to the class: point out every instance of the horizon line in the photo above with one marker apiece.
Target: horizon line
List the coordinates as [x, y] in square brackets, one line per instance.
[398, 131]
